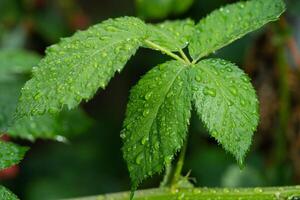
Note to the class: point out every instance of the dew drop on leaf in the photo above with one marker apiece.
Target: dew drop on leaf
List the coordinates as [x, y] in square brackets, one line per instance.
[146, 112]
[139, 158]
[148, 95]
[209, 92]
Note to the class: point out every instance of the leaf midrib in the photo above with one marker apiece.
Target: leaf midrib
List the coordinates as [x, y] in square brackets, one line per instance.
[157, 110]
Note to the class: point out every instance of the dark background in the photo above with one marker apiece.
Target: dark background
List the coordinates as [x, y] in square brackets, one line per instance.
[91, 163]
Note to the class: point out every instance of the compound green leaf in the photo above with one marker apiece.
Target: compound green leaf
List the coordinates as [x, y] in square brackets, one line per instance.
[10, 154]
[16, 61]
[156, 121]
[231, 22]
[74, 69]
[227, 104]
[5, 194]
[172, 35]
[56, 127]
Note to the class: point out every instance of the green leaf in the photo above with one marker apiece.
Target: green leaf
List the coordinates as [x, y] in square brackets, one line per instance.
[9, 93]
[74, 69]
[58, 127]
[180, 6]
[159, 9]
[231, 22]
[16, 61]
[5, 194]
[172, 35]
[157, 119]
[227, 104]
[10, 154]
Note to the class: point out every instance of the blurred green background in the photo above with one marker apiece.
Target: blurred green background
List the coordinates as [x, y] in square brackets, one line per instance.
[91, 161]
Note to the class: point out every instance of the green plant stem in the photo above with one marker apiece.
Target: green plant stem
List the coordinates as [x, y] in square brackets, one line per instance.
[179, 166]
[184, 56]
[168, 176]
[270, 193]
[169, 53]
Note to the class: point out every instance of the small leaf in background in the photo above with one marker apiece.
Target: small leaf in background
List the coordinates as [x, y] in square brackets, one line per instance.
[15, 62]
[231, 22]
[227, 104]
[57, 127]
[10, 154]
[74, 69]
[5, 194]
[159, 9]
[172, 35]
[157, 119]
[9, 93]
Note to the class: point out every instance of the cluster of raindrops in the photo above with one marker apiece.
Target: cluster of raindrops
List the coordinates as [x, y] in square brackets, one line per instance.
[232, 22]
[75, 68]
[226, 102]
[156, 120]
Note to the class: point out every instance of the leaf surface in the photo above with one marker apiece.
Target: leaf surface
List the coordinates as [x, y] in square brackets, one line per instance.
[16, 61]
[9, 93]
[74, 69]
[157, 119]
[172, 35]
[10, 154]
[231, 22]
[227, 104]
[56, 127]
[5, 194]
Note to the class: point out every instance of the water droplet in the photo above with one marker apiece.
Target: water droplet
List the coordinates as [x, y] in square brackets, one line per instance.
[233, 90]
[148, 95]
[111, 28]
[197, 191]
[228, 69]
[167, 159]
[139, 158]
[245, 79]
[37, 96]
[123, 136]
[146, 112]
[144, 140]
[230, 102]
[226, 190]
[258, 190]
[241, 164]
[104, 54]
[209, 91]
[243, 102]
[198, 78]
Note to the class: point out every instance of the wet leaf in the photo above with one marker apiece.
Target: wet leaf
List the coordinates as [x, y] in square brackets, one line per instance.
[10, 154]
[5, 194]
[172, 35]
[231, 22]
[227, 104]
[157, 119]
[75, 68]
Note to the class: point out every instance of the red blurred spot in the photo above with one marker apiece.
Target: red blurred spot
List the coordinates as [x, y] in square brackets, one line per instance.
[4, 137]
[9, 173]
[79, 21]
